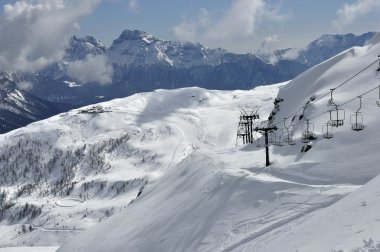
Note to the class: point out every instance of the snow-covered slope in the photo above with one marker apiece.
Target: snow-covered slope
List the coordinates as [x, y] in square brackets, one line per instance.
[320, 49]
[78, 168]
[220, 198]
[161, 171]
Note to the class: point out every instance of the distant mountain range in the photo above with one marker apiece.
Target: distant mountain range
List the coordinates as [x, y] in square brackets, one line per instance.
[144, 63]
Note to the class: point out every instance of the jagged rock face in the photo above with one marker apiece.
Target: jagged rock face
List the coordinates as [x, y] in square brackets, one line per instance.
[80, 48]
[141, 48]
[6, 85]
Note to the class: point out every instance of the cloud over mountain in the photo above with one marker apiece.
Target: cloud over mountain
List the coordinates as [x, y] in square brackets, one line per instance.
[240, 20]
[93, 69]
[348, 13]
[35, 33]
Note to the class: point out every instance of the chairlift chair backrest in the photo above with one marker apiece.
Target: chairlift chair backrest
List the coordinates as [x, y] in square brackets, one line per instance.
[308, 132]
[337, 117]
[327, 131]
[357, 118]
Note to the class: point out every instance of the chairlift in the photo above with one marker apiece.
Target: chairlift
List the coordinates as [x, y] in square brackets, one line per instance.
[378, 101]
[379, 64]
[327, 131]
[337, 116]
[307, 129]
[290, 132]
[272, 138]
[257, 139]
[308, 132]
[258, 145]
[278, 137]
[357, 118]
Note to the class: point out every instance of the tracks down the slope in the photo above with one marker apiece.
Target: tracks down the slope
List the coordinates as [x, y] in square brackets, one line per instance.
[279, 224]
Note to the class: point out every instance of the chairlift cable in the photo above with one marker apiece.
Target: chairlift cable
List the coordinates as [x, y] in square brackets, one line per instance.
[329, 93]
[340, 105]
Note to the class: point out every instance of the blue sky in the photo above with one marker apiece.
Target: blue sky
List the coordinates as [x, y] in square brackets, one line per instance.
[237, 25]
[301, 21]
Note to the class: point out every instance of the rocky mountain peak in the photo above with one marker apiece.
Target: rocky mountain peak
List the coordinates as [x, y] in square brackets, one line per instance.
[134, 35]
[6, 83]
[80, 48]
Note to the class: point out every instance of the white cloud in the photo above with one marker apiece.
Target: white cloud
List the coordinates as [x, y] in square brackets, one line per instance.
[191, 30]
[133, 5]
[94, 69]
[348, 13]
[34, 33]
[269, 43]
[240, 20]
[25, 85]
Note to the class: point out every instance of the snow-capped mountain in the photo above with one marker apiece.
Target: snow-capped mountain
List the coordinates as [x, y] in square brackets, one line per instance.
[18, 108]
[160, 171]
[140, 48]
[80, 48]
[320, 49]
[142, 62]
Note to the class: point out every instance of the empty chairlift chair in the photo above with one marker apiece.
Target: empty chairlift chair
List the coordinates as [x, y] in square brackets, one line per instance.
[378, 101]
[258, 144]
[272, 138]
[308, 132]
[357, 118]
[278, 137]
[307, 129]
[289, 139]
[327, 130]
[337, 116]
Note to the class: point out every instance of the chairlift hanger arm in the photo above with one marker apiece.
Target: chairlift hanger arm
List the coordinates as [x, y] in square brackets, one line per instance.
[332, 99]
[360, 106]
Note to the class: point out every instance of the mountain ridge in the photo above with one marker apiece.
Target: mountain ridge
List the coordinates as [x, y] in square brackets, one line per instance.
[142, 63]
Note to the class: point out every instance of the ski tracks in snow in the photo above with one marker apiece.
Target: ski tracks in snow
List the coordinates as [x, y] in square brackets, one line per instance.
[279, 224]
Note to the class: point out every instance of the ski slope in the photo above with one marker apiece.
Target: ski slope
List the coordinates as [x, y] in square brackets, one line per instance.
[132, 141]
[197, 190]
[225, 200]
